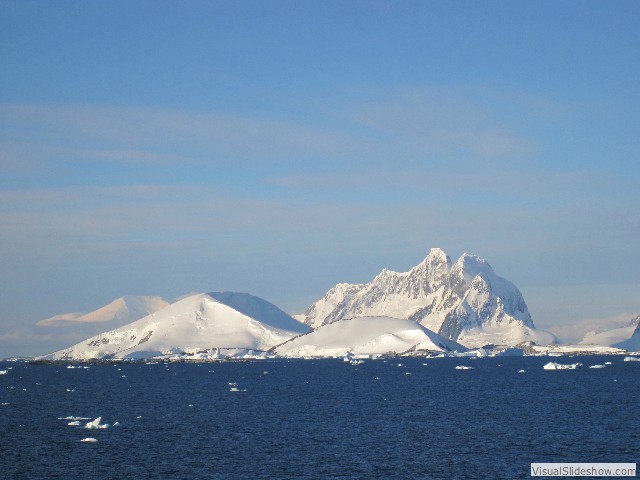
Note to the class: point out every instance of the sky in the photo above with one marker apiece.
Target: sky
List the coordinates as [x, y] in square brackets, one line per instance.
[281, 147]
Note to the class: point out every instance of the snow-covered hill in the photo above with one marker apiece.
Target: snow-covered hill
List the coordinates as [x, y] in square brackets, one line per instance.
[465, 301]
[121, 311]
[633, 342]
[612, 336]
[195, 323]
[261, 310]
[366, 335]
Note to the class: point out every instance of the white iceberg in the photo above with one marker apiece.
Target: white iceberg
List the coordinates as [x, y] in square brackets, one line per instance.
[597, 366]
[96, 424]
[74, 423]
[89, 440]
[561, 366]
[463, 367]
[632, 359]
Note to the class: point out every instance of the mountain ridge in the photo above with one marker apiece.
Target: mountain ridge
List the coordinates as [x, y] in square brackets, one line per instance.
[465, 301]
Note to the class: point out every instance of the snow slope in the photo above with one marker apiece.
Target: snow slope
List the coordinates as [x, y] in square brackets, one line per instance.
[195, 323]
[465, 301]
[633, 343]
[121, 311]
[614, 336]
[261, 310]
[366, 335]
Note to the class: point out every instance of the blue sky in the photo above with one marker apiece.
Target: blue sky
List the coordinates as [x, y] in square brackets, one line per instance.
[161, 148]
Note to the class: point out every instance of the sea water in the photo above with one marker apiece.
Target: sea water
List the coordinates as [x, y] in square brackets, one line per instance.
[385, 418]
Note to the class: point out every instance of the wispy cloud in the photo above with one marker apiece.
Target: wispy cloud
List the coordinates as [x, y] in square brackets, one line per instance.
[441, 121]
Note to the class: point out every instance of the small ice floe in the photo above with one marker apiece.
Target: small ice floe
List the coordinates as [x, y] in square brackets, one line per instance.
[463, 367]
[400, 365]
[424, 364]
[139, 416]
[521, 371]
[608, 363]
[124, 376]
[3, 372]
[73, 418]
[597, 366]
[75, 423]
[71, 389]
[561, 366]
[71, 366]
[89, 440]
[234, 387]
[407, 373]
[190, 405]
[377, 378]
[4, 404]
[116, 424]
[632, 359]
[96, 424]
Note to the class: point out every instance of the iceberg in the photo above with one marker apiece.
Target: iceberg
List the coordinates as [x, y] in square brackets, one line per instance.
[632, 359]
[561, 366]
[96, 424]
[89, 440]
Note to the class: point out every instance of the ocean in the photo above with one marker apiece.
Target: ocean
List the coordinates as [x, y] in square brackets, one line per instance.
[284, 419]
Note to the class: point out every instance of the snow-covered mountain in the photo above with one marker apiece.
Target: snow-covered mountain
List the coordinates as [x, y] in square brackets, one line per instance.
[613, 336]
[465, 301]
[368, 336]
[121, 311]
[633, 342]
[261, 310]
[195, 323]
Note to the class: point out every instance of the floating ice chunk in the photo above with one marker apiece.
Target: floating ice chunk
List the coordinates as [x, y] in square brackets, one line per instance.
[73, 418]
[521, 371]
[70, 366]
[597, 366]
[632, 359]
[89, 440]
[116, 424]
[96, 424]
[561, 366]
[608, 363]
[4, 404]
[236, 389]
[3, 372]
[75, 423]
[463, 367]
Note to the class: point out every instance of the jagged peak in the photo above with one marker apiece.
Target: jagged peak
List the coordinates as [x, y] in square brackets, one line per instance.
[471, 265]
[438, 253]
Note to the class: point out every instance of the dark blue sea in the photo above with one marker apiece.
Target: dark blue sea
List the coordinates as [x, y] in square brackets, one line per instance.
[393, 418]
